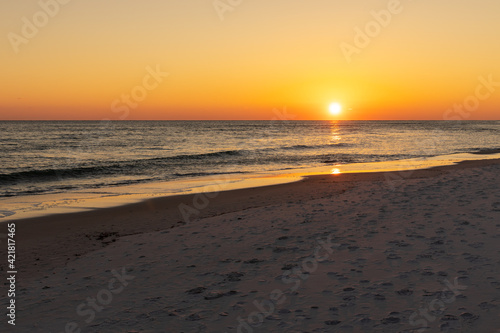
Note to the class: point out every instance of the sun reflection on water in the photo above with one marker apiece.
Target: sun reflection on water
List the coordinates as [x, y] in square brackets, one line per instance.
[334, 132]
[336, 171]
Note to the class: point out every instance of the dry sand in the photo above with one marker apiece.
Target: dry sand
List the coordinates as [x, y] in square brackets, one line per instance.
[397, 252]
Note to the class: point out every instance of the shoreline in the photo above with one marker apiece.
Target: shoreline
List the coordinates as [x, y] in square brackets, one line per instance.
[34, 206]
[70, 235]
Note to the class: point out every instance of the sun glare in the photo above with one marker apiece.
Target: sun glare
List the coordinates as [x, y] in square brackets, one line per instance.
[336, 171]
[335, 109]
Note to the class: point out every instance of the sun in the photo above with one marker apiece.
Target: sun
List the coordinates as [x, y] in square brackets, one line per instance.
[335, 109]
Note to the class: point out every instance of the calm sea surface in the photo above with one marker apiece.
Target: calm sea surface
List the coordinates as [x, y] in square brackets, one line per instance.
[57, 156]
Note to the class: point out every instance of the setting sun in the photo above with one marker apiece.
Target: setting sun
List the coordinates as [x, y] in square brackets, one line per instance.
[335, 109]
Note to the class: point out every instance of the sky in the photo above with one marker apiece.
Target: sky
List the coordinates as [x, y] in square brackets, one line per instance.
[242, 59]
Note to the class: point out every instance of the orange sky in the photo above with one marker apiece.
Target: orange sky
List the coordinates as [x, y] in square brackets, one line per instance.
[94, 60]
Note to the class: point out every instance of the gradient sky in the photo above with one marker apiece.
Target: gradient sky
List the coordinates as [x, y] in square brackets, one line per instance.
[264, 55]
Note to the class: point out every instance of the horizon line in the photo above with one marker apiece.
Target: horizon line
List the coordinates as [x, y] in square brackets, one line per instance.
[290, 120]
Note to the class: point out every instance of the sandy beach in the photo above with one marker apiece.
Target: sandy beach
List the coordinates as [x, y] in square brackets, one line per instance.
[375, 252]
[232, 166]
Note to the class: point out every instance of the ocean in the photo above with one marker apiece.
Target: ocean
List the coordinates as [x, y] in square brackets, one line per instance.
[46, 157]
